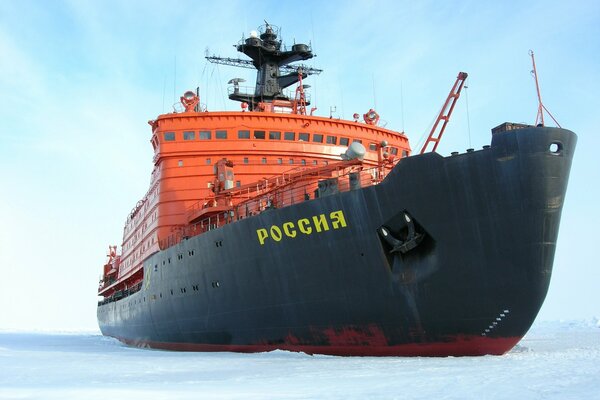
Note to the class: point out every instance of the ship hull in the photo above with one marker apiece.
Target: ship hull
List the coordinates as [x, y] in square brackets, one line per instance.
[322, 277]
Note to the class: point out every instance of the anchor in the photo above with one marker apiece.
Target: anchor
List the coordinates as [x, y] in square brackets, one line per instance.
[413, 238]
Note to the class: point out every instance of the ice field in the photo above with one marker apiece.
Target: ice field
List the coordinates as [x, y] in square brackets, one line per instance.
[555, 360]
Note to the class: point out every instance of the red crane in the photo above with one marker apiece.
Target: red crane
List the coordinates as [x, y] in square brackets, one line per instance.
[434, 135]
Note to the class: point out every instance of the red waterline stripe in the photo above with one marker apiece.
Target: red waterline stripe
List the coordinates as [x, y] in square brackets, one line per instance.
[463, 346]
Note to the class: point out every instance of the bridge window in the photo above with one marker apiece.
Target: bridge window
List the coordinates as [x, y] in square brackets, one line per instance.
[259, 134]
[208, 161]
[274, 135]
[169, 136]
[303, 162]
[264, 160]
[331, 140]
[221, 134]
[372, 147]
[404, 153]
[394, 151]
[289, 136]
[318, 138]
[291, 160]
[280, 161]
[238, 183]
[205, 135]
[357, 140]
[245, 160]
[344, 141]
[243, 134]
[303, 137]
[189, 135]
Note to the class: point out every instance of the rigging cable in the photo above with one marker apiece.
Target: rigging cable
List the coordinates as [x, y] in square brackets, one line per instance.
[202, 74]
[374, 95]
[341, 96]
[174, 79]
[468, 118]
[402, 106]
[312, 40]
[212, 73]
[426, 132]
[221, 87]
[164, 92]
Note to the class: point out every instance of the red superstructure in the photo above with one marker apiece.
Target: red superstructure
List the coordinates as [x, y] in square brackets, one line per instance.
[270, 158]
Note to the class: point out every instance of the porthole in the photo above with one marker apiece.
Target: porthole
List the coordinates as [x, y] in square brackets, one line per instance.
[555, 148]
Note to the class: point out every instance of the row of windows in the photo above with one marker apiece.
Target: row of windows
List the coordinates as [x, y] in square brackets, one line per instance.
[191, 135]
[179, 257]
[263, 160]
[259, 134]
[276, 135]
[290, 161]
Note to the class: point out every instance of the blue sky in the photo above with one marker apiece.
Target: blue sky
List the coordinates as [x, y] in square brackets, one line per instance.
[79, 80]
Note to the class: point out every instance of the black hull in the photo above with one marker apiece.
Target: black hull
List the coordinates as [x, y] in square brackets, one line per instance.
[473, 285]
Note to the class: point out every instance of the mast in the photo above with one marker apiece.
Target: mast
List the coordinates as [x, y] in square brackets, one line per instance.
[272, 63]
[539, 119]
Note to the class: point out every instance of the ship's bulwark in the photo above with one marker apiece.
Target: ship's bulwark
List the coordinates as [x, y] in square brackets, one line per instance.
[320, 277]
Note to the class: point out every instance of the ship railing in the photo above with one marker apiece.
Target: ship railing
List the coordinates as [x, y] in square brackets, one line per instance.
[121, 294]
[200, 227]
[288, 193]
[283, 194]
[255, 189]
[106, 282]
[252, 93]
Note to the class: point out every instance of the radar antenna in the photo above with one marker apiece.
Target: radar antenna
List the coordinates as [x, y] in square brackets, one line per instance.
[238, 62]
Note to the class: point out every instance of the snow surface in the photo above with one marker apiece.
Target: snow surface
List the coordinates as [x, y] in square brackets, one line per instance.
[556, 360]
